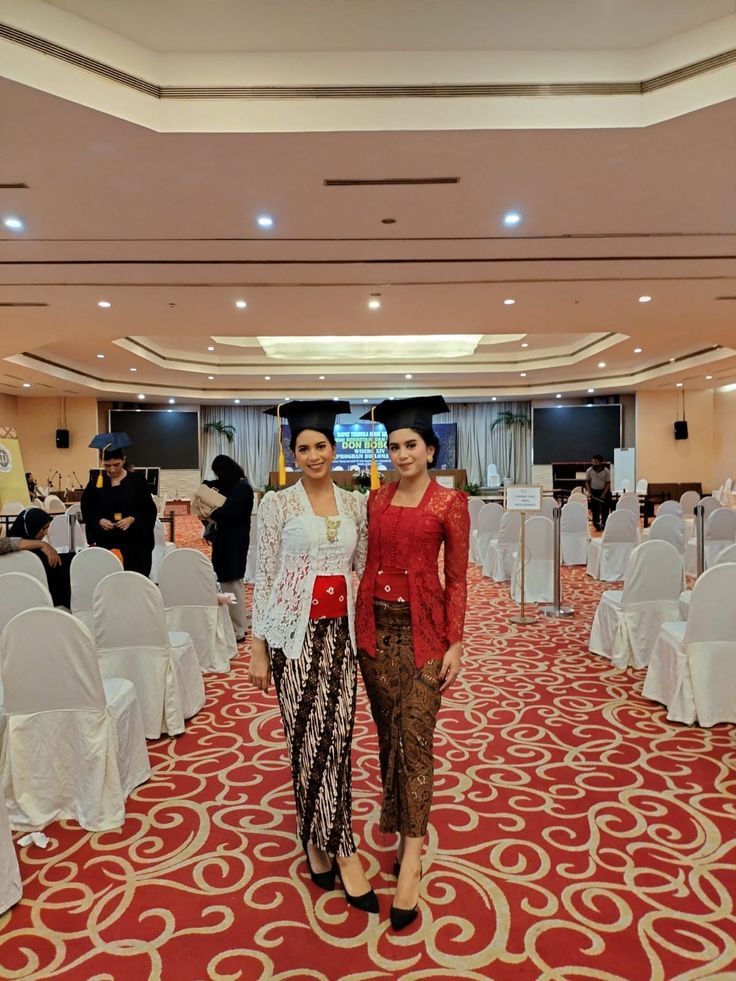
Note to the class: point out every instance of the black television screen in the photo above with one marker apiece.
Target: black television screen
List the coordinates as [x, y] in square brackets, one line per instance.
[163, 438]
[571, 433]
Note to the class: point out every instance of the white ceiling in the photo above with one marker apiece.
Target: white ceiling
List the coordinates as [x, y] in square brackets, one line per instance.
[162, 225]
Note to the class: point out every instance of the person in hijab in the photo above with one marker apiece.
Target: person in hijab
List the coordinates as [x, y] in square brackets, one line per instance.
[27, 534]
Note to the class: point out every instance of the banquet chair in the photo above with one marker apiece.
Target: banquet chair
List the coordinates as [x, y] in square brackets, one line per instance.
[668, 528]
[574, 533]
[500, 556]
[626, 485]
[692, 670]
[24, 562]
[548, 507]
[76, 510]
[670, 507]
[475, 506]
[19, 592]
[54, 505]
[709, 505]
[133, 642]
[59, 534]
[488, 525]
[627, 621]
[719, 533]
[688, 501]
[493, 478]
[189, 590]
[642, 487]
[87, 568]
[12, 508]
[539, 565]
[11, 888]
[628, 500]
[728, 554]
[608, 555]
[161, 548]
[74, 746]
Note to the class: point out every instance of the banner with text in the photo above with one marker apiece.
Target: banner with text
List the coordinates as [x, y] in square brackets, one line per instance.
[354, 446]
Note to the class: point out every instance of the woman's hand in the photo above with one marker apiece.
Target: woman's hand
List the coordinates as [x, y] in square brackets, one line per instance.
[106, 524]
[124, 523]
[259, 670]
[450, 665]
[52, 556]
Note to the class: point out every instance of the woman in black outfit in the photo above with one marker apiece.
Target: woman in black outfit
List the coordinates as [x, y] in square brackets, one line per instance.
[120, 514]
[230, 536]
[27, 533]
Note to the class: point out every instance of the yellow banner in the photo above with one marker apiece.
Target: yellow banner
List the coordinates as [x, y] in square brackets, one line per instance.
[13, 485]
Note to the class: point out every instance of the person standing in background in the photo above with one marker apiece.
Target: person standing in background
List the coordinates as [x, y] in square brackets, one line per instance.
[230, 536]
[598, 487]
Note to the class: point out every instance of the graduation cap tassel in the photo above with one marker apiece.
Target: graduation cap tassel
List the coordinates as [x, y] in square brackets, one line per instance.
[282, 461]
[375, 478]
[99, 482]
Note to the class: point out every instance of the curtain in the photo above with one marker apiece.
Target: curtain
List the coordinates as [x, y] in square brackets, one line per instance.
[254, 445]
[508, 447]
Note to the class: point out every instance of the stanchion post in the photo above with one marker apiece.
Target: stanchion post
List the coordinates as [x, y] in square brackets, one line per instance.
[700, 539]
[522, 617]
[556, 609]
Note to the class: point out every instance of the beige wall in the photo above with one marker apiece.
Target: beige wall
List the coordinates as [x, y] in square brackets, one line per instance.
[724, 437]
[659, 456]
[36, 422]
[8, 411]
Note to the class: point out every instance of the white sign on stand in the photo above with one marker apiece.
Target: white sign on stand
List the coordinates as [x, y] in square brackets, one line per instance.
[523, 498]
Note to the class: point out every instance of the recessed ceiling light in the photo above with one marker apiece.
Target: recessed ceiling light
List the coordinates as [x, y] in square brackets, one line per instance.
[590, 391]
[265, 221]
[644, 299]
[237, 401]
[267, 378]
[374, 304]
[559, 395]
[335, 398]
[26, 384]
[671, 360]
[408, 376]
[13, 223]
[365, 400]
[601, 364]
[141, 397]
[679, 384]
[210, 348]
[241, 304]
[511, 218]
[286, 399]
[493, 398]
[391, 398]
[134, 369]
[523, 374]
[104, 304]
[509, 302]
[321, 378]
[525, 344]
[210, 377]
[172, 401]
[100, 355]
[637, 350]
[708, 377]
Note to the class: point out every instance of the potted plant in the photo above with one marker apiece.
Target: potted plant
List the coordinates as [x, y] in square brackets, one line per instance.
[223, 428]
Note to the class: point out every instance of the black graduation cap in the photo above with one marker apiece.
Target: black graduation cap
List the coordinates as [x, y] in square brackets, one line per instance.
[413, 413]
[302, 414]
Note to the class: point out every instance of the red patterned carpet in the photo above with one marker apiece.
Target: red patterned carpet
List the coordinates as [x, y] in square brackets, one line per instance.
[575, 834]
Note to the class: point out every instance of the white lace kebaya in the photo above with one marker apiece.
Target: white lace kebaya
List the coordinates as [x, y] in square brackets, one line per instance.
[294, 547]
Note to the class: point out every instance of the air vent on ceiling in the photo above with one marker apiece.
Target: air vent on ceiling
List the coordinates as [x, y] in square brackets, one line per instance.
[23, 304]
[18, 186]
[388, 181]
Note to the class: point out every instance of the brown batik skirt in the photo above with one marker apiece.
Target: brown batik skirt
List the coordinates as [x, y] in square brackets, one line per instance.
[404, 701]
[316, 693]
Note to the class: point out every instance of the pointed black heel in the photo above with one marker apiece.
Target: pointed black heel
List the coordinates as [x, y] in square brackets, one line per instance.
[324, 880]
[401, 918]
[367, 901]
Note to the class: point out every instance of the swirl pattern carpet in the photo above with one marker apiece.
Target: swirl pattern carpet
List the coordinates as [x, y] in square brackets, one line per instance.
[575, 833]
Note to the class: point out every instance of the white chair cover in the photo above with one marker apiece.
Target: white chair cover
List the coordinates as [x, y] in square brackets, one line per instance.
[19, 592]
[627, 621]
[54, 504]
[59, 533]
[608, 555]
[642, 486]
[574, 533]
[189, 590]
[669, 528]
[539, 571]
[493, 478]
[133, 642]
[548, 507]
[11, 888]
[489, 523]
[76, 510]
[720, 532]
[161, 548]
[688, 501]
[710, 504]
[74, 747]
[475, 506]
[12, 508]
[24, 562]
[629, 500]
[87, 568]
[500, 556]
[693, 665]
[728, 554]
[670, 507]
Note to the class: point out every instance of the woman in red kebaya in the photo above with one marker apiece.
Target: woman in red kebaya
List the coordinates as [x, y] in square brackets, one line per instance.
[409, 627]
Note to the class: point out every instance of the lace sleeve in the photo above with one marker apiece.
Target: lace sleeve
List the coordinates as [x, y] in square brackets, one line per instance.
[270, 524]
[457, 533]
[8, 545]
[361, 527]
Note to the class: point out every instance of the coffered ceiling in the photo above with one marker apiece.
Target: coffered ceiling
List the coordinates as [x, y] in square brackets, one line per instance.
[163, 225]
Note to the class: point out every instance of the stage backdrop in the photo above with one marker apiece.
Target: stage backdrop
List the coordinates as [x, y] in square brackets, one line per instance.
[354, 446]
[13, 485]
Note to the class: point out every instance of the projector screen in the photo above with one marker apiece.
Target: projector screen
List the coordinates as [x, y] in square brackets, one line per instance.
[160, 437]
[573, 433]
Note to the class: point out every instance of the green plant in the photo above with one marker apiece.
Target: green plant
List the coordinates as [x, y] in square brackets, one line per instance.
[223, 428]
[472, 490]
[510, 419]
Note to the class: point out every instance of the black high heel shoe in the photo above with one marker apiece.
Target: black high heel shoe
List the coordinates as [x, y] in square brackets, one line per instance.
[367, 901]
[401, 918]
[324, 880]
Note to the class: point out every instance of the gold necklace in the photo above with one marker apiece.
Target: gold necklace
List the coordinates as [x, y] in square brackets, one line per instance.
[333, 525]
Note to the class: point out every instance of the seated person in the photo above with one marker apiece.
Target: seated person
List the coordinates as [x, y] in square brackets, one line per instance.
[26, 534]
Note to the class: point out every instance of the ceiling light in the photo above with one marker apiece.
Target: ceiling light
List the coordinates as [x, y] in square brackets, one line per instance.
[26, 384]
[708, 377]
[141, 397]
[237, 401]
[210, 348]
[590, 391]
[335, 398]
[509, 302]
[679, 384]
[601, 364]
[637, 350]
[511, 218]
[397, 348]
[241, 304]
[210, 377]
[671, 360]
[13, 223]
[374, 304]
[267, 378]
[407, 376]
[321, 378]
[100, 355]
[286, 399]
[493, 398]
[104, 304]
[265, 221]
[644, 299]
[365, 400]
[523, 374]
[559, 395]
[134, 369]
[172, 401]
[525, 344]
